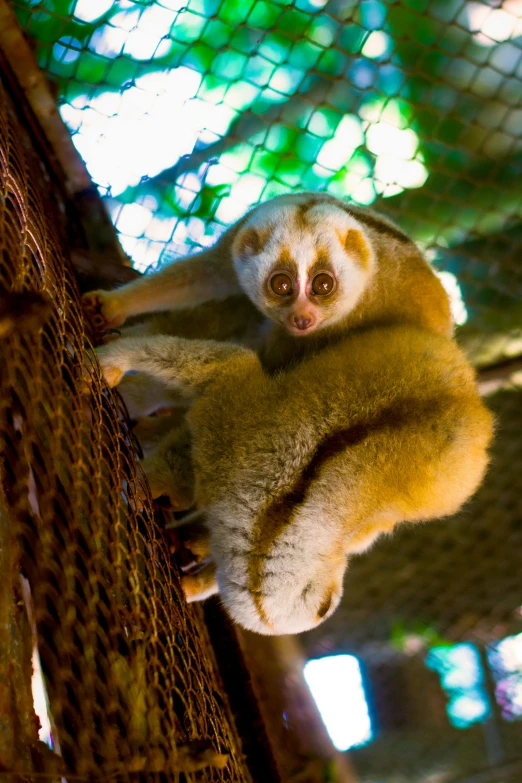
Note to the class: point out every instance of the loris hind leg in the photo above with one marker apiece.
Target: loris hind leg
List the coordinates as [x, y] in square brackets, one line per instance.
[150, 430]
[192, 532]
[194, 536]
[144, 395]
[169, 470]
[186, 366]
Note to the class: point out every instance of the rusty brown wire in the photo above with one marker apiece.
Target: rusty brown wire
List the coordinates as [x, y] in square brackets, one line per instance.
[129, 671]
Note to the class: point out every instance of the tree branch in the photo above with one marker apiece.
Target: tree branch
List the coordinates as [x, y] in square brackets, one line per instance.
[244, 127]
[498, 376]
[500, 772]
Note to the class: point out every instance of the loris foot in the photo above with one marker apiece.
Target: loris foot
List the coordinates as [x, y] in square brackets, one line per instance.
[196, 538]
[103, 310]
[176, 492]
[201, 585]
[193, 534]
[112, 375]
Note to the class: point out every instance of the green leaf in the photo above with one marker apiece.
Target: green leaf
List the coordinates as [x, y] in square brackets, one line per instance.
[122, 71]
[304, 54]
[264, 163]
[199, 57]
[236, 11]
[92, 68]
[352, 39]
[290, 171]
[293, 23]
[264, 15]
[333, 62]
[281, 139]
[229, 65]
[275, 48]
[208, 201]
[217, 33]
[188, 28]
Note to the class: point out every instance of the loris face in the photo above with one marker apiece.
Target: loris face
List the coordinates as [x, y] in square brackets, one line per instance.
[303, 262]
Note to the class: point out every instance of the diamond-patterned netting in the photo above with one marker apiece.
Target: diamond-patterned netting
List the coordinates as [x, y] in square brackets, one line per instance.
[130, 675]
[187, 113]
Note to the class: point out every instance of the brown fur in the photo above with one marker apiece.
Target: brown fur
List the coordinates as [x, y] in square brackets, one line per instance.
[298, 469]
[370, 421]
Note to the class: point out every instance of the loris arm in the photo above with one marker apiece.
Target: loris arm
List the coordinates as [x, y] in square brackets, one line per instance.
[184, 365]
[187, 282]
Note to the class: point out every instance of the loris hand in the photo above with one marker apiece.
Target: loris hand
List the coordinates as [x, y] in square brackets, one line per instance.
[103, 310]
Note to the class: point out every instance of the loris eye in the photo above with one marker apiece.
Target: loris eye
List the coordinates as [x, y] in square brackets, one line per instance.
[281, 285]
[323, 284]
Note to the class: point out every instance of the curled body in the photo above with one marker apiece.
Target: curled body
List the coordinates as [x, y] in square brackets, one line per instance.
[337, 407]
[298, 469]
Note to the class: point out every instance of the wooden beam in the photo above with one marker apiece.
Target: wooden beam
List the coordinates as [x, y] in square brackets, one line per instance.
[39, 96]
[100, 270]
[34, 97]
[499, 376]
[302, 748]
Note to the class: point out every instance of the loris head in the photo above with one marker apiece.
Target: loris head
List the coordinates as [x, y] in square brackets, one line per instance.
[303, 261]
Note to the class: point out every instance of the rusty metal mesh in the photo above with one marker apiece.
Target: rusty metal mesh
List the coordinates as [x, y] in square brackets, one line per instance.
[129, 672]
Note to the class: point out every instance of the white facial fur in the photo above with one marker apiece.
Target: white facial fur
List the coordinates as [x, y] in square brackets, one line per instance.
[280, 226]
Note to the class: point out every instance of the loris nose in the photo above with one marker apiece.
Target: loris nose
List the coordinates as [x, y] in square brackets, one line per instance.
[302, 321]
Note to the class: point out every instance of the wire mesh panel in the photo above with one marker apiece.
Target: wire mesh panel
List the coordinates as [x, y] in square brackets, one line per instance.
[188, 113]
[129, 673]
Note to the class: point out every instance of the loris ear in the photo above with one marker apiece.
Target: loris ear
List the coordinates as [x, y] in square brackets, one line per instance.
[356, 244]
[250, 242]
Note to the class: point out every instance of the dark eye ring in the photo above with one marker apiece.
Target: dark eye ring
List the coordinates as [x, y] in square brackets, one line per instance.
[323, 284]
[281, 284]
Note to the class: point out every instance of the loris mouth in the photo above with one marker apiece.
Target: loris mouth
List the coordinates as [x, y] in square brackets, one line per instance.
[300, 331]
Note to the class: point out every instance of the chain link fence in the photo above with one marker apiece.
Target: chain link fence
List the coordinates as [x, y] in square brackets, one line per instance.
[187, 113]
[89, 595]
